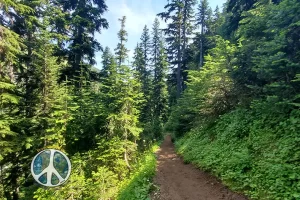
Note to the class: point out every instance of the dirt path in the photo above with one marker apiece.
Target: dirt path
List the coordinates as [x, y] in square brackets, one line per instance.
[179, 181]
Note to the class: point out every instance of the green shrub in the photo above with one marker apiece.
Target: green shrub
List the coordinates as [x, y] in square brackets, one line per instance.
[91, 180]
[138, 186]
[251, 151]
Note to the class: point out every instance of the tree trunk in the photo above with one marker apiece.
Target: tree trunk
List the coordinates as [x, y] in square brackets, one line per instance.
[126, 160]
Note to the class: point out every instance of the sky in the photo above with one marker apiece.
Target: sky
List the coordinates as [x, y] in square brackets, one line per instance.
[138, 13]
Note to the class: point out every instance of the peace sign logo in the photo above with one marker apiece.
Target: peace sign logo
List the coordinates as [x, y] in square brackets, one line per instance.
[51, 168]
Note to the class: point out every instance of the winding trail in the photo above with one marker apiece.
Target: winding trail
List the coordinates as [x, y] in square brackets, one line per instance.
[179, 181]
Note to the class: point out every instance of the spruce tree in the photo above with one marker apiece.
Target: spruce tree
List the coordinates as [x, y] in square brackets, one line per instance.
[54, 98]
[173, 32]
[121, 51]
[146, 47]
[86, 18]
[155, 43]
[188, 30]
[217, 22]
[106, 57]
[10, 48]
[180, 12]
[204, 16]
[122, 98]
[124, 123]
[138, 60]
[144, 71]
[160, 92]
[235, 10]
[28, 65]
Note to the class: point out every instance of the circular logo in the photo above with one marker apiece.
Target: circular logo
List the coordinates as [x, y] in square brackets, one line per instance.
[51, 168]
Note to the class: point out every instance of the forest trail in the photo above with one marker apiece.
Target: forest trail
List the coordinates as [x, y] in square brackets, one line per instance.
[179, 181]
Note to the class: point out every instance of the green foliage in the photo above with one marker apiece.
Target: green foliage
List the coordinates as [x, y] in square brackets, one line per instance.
[102, 184]
[96, 175]
[250, 150]
[180, 17]
[239, 115]
[121, 51]
[79, 20]
[139, 185]
[209, 91]
[51, 98]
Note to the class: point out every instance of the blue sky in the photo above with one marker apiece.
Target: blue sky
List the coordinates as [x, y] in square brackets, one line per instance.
[139, 13]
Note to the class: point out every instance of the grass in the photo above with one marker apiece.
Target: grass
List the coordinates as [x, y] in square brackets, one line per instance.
[139, 185]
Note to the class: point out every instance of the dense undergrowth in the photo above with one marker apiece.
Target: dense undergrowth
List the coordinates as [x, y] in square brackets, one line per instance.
[252, 151]
[104, 183]
[239, 115]
[139, 185]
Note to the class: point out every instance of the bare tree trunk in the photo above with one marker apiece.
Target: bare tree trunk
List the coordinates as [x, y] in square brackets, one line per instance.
[126, 159]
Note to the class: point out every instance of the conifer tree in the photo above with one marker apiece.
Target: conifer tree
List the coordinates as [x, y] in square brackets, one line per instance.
[173, 32]
[180, 12]
[106, 57]
[10, 48]
[86, 18]
[124, 123]
[155, 43]
[144, 72]
[217, 22]
[122, 98]
[55, 98]
[109, 87]
[29, 68]
[187, 32]
[204, 16]
[160, 92]
[146, 47]
[138, 60]
[121, 51]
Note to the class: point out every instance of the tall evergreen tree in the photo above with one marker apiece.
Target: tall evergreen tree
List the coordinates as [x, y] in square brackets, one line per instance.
[144, 71]
[155, 43]
[160, 92]
[106, 59]
[10, 49]
[146, 46]
[180, 12]
[138, 60]
[85, 18]
[187, 32]
[217, 22]
[29, 68]
[122, 97]
[37, 77]
[173, 32]
[203, 20]
[159, 95]
[235, 10]
[121, 51]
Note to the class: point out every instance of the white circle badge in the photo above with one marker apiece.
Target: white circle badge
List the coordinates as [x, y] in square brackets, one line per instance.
[50, 168]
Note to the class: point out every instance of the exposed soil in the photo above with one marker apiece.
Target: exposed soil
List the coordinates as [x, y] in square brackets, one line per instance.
[180, 181]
